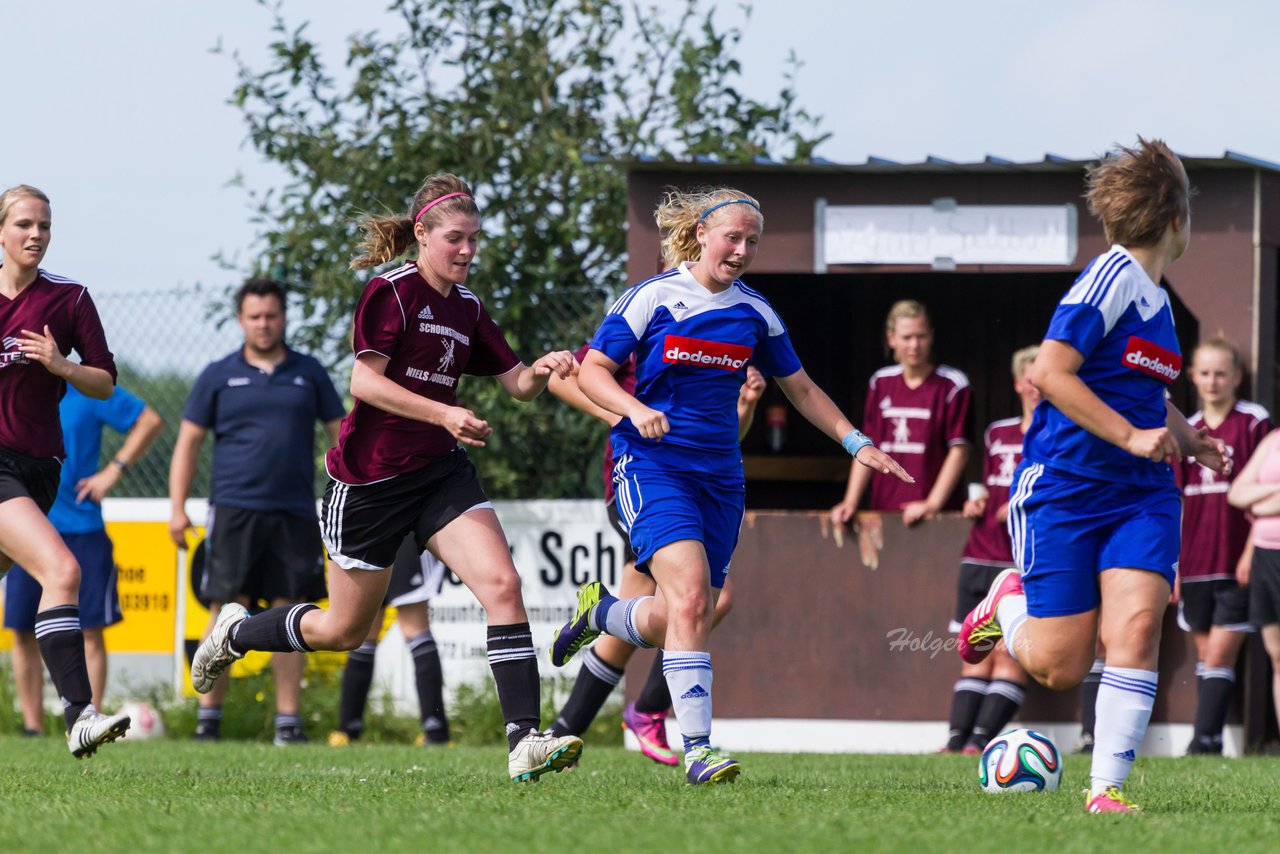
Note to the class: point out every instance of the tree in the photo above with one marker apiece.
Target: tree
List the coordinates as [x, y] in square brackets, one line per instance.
[539, 104]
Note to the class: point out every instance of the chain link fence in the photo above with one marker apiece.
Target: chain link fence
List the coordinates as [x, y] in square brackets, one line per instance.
[161, 341]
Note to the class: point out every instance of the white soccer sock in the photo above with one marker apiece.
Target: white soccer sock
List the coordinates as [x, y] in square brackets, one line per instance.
[688, 677]
[619, 621]
[1011, 613]
[1125, 698]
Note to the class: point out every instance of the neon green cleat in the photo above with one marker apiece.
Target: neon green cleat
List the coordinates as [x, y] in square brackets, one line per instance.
[577, 633]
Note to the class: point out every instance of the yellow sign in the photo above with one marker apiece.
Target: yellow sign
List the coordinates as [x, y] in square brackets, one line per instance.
[146, 562]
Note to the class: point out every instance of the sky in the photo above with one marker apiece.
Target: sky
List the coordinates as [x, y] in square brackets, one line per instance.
[119, 110]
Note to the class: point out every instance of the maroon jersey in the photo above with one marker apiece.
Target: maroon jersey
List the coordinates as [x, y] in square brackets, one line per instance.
[29, 394]
[430, 341]
[988, 543]
[626, 377]
[916, 426]
[1213, 532]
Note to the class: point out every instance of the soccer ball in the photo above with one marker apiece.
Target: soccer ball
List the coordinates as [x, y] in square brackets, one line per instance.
[144, 720]
[1020, 760]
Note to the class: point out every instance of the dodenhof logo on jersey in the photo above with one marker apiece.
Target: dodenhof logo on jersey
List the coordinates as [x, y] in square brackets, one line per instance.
[1142, 355]
[678, 350]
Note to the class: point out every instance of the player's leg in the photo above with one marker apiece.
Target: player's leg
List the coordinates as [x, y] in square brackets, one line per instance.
[474, 546]
[602, 665]
[428, 673]
[28, 676]
[99, 601]
[1225, 616]
[1004, 696]
[1089, 699]
[287, 669]
[969, 691]
[293, 575]
[357, 680]
[21, 602]
[95, 658]
[27, 538]
[1133, 606]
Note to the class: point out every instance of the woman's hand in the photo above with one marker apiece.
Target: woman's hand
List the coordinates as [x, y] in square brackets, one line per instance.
[1155, 444]
[559, 362]
[43, 349]
[974, 508]
[464, 426]
[1211, 453]
[874, 458]
[649, 423]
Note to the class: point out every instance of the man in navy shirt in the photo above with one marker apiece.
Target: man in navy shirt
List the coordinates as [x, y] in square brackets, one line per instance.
[77, 516]
[262, 535]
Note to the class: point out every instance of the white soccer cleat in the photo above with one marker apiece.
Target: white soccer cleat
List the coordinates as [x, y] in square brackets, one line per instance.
[540, 752]
[214, 655]
[94, 729]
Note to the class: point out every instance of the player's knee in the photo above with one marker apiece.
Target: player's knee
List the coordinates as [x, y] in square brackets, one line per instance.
[691, 610]
[62, 576]
[503, 592]
[348, 637]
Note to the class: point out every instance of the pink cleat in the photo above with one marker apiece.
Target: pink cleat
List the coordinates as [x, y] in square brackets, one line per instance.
[650, 730]
[1111, 800]
[979, 632]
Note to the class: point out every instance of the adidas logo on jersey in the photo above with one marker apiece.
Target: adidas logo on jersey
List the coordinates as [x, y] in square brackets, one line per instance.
[426, 314]
[678, 350]
[1152, 359]
[679, 306]
[695, 693]
[1127, 756]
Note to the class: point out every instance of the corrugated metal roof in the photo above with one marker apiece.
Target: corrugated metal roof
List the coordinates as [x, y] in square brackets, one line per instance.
[990, 163]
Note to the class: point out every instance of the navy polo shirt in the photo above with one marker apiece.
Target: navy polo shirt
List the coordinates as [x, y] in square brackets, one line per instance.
[263, 426]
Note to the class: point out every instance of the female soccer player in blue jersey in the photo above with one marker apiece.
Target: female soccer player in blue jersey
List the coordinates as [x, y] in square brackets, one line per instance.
[678, 466]
[1095, 513]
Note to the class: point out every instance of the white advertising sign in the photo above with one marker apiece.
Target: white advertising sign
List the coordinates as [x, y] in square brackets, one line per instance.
[945, 235]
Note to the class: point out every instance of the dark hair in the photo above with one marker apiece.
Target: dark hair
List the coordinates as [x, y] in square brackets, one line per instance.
[1137, 192]
[260, 288]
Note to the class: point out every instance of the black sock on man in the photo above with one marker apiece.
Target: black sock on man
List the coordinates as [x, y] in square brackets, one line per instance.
[596, 681]
[515, 673]
[966, 700]
[274, 630]
[428, 676]
[655, 696]
[357, 679]
[62, 648]
[998, 708]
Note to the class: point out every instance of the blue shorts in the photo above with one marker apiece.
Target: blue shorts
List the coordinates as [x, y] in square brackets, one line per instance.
[660, 505]
[99, 599]
[1065, 530]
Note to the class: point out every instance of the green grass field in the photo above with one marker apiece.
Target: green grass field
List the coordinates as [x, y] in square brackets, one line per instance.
[172, 795]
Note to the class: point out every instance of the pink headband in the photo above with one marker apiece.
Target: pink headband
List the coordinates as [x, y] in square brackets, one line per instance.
[429, 205]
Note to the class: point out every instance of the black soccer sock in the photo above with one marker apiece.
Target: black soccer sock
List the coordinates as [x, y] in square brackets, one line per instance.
[966, 700]
[596, 681]
[62, 648]
[998, 708]
[1213, 700]
[357, 678]
[429, 677]
[274, 630]
[1089, 699]
[655, 696]
[515, 673]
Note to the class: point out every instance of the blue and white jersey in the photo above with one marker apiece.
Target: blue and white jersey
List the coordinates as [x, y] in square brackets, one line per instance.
[1122, 324]
[692, 348]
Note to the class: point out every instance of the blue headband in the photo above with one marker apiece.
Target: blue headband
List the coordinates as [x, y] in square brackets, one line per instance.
[730, 202]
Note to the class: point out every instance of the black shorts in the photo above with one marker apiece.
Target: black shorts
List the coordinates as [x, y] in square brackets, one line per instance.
[615, 521]
[1220, 602]
[973, 584]
[27, 477]
[1264, 588]
[261, 554]
[363, 526]
[416, 575]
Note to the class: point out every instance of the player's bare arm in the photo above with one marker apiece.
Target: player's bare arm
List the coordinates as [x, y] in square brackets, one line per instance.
[42, 348]
[182, 471]
[526, 382]
[1246, 490]
[370, 384]
[596, 379]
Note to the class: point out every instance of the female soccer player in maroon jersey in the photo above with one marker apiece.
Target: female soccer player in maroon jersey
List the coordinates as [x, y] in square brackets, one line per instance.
[44, 317]
[1215, 557]
[398, 467]
[918, 411]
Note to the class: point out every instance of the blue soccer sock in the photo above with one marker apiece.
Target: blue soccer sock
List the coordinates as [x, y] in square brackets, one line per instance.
[1125, 698]
[617, 617]
[689, 678]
